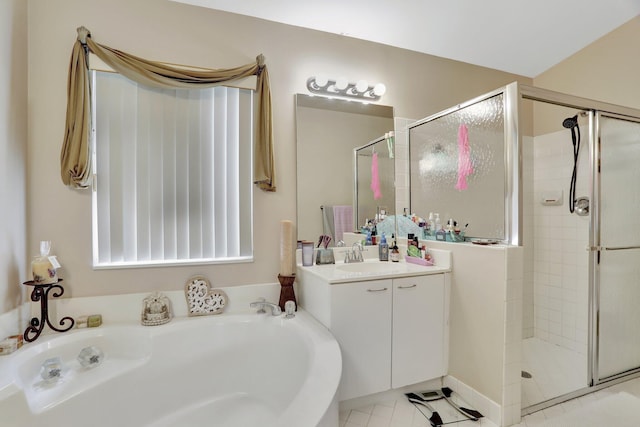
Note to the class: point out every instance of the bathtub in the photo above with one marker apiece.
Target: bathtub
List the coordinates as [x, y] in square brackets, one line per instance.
[229, 370]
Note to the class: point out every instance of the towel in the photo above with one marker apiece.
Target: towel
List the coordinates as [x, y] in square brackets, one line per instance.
[375, 177]
[342, 221]
[390, 143]
[464, 158]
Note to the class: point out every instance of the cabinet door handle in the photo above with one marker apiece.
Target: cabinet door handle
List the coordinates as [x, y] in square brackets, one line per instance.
[407, 287]
[377, 290]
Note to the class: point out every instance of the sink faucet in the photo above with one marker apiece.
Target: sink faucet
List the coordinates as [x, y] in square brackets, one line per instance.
[355, 255]
[261, 304]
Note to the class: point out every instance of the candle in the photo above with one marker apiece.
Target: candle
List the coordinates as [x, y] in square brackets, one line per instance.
[286, 248]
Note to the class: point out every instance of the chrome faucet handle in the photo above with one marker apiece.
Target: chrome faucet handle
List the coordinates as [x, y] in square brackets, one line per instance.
[340, 244]
[260, 303]
[356, 252]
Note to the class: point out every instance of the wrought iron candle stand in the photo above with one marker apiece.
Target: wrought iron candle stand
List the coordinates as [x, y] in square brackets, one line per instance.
[286, 290]
[41, 293]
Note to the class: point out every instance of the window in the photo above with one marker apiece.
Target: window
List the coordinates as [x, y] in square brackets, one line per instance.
[173, 174]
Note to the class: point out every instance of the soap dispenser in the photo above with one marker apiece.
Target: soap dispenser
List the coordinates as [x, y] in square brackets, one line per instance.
[383, 249]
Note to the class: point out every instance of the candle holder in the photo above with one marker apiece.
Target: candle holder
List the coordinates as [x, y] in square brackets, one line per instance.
[41, 293]
[286, 290]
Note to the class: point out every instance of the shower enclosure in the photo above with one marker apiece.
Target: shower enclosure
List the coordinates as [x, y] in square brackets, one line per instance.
[580, 317]
[567, 176]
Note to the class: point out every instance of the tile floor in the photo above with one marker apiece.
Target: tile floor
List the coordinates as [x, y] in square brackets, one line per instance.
[401, 413]
[555, 371]
[396, 413]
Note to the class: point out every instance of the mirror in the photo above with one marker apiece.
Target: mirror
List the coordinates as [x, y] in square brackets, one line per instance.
[327, 131]
[372, 204]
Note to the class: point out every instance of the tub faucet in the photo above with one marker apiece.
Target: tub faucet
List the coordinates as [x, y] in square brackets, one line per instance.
[261, 305]
[355, 255]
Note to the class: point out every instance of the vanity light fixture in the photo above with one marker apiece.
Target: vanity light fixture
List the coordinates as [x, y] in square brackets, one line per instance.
[341, 87]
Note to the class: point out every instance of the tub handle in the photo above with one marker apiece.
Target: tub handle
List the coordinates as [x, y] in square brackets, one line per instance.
[407, 287]
[377, 290]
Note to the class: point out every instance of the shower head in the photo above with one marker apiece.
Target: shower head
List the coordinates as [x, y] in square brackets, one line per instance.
[570, 122]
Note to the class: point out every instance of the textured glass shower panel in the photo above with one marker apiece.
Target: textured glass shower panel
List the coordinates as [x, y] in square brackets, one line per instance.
[619, 331]
[619, 180]
[619, 269]
[366, 204]
[433, 153]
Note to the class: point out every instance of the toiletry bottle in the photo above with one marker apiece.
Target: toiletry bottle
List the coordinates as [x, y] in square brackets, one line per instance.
[410, 239]
[431, 224]
[438, 225]
[395, 253]
[368, 241]
[426, 254]
[374, 236]
[383, 249]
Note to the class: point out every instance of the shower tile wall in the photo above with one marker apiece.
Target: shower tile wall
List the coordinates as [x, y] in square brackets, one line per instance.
[560, 257]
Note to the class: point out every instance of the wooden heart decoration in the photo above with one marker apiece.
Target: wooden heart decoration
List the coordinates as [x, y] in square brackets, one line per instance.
[202, 299]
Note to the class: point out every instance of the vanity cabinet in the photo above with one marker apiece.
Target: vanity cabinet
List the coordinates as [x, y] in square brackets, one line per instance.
[418, 339]
[361, 319]
[392, 332]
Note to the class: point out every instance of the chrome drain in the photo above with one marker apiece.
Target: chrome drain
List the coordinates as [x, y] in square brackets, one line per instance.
[526, 374]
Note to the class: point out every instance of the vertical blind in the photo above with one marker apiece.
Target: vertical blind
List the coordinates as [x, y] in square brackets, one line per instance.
[173, 173]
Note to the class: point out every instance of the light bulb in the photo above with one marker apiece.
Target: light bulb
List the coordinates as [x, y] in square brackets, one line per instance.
[341, 83]
[362, 86]
[379, 89]
[321, 80]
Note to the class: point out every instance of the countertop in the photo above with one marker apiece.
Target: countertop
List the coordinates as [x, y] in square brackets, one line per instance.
[373, 269]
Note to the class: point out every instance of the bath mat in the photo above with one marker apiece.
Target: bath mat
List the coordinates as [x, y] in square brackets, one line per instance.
[616, 410]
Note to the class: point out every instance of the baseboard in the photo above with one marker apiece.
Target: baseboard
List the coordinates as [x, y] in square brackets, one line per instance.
[487, 407]
[389, 395]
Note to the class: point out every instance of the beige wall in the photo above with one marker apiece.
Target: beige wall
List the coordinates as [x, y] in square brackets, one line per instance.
[417, 85]
[607, 70]
[13, 147]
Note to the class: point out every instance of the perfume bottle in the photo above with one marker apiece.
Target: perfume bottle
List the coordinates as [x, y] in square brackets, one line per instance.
[44, 266]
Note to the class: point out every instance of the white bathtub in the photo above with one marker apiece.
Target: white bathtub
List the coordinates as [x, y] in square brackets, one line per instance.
[235, 370]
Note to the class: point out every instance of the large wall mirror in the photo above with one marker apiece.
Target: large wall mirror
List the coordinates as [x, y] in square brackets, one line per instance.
[327, 131]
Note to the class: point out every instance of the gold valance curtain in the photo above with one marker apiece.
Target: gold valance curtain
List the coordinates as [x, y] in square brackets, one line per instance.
[75, 157]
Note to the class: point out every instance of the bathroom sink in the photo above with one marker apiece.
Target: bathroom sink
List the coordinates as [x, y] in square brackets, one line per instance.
[369, 267]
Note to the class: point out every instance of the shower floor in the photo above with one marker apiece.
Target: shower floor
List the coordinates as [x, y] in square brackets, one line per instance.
[554, 371]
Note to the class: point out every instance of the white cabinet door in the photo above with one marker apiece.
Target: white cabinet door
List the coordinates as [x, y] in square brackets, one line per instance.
[418, 329]
[361, 323]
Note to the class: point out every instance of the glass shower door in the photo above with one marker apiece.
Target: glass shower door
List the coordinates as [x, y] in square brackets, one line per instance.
[618, 269]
